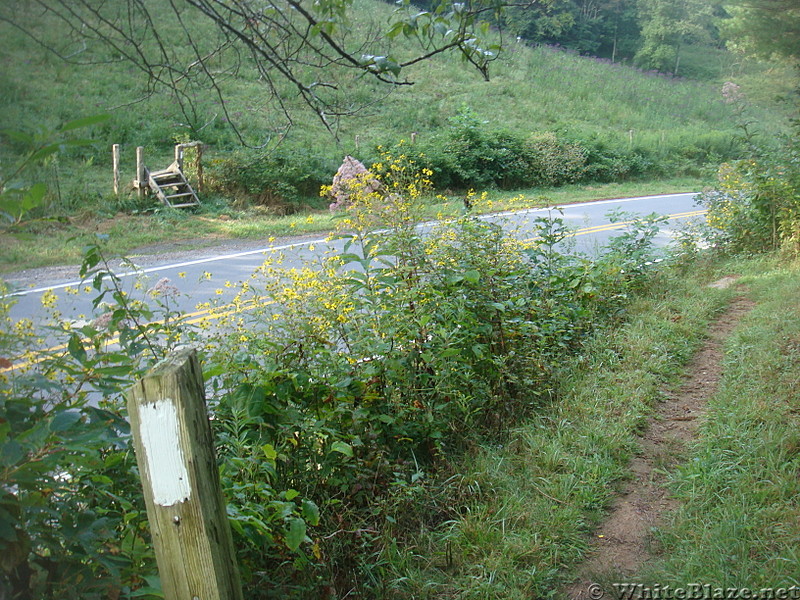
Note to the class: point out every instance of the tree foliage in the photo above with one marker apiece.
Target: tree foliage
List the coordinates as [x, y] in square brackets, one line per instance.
[596, 27]
[764, 27]
[667, 26]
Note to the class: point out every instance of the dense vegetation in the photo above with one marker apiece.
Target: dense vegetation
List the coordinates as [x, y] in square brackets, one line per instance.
[374, 379]
[449, 418]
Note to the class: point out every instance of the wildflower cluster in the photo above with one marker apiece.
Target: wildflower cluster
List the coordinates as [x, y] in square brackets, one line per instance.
[382, 196]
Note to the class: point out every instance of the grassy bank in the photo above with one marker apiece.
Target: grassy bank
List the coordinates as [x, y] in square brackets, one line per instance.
[528, 505]
[739, 525]
[49, 243]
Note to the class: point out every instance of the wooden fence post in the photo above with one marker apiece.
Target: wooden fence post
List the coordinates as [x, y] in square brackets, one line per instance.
[199, 166]
[175, 453]
[140, 182]
[179, 156]
[115, 166]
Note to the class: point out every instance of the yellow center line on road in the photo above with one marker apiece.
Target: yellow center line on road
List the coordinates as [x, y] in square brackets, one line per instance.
[192, 318]
[219, 312]
[622, 224]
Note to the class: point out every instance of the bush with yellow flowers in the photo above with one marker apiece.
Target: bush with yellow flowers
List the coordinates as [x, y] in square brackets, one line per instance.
[341, 390]
[756, 204]
[366, 372]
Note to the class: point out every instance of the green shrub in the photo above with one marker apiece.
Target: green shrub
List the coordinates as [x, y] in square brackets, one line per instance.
[756, 205]
[283, 178]
[553, 161]
[606, 162]
[340, 390]
[471, 157]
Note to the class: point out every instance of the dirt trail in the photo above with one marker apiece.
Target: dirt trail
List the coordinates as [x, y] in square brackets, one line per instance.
[623, 543]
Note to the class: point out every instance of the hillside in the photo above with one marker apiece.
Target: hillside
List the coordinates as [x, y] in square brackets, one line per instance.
[584, 120]
[531, 90]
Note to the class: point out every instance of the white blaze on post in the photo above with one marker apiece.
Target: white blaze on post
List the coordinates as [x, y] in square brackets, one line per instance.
[160, 438]
[188, 518]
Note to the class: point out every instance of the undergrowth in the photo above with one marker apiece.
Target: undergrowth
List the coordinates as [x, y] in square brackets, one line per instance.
[525, 505]
[343, 392]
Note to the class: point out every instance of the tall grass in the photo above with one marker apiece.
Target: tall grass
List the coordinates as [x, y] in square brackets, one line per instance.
[739, 521]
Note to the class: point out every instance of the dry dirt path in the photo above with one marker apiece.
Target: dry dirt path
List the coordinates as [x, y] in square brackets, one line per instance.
[623, 543]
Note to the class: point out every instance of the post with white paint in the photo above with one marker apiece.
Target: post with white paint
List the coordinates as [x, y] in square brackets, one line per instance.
[175, 453]
[140, 182]
[115, 167]
[179, 156]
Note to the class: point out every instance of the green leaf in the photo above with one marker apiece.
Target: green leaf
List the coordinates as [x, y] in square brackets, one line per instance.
[472, 276]
[64, 420]
[11, 453]
[76, 349]
[395, 30]
[44, 152]
[291, 494]
[18, 136]
[269, 451]
[33, 197]
[342, 447]
[296, 534]
[84, 122]
[113, 371]
[310, 512]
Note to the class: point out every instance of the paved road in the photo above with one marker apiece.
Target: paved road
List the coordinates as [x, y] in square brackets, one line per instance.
[203, 278]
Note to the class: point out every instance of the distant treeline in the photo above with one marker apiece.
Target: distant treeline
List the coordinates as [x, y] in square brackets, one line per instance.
[649, 33]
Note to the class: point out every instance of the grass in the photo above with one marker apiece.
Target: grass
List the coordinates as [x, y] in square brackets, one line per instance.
[49, 243]
[739, 522]
[532, 89]
[524, 508]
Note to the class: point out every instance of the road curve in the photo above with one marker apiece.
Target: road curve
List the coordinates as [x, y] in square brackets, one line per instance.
[205, 277]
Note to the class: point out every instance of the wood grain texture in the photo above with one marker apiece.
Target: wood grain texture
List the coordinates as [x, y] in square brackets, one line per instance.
[192, 537]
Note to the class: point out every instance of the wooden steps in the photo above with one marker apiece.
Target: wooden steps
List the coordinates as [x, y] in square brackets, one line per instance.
[171, 187]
